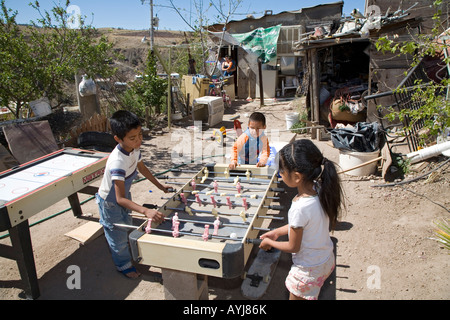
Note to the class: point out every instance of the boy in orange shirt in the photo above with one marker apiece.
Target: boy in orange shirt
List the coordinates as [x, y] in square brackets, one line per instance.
[252, 143]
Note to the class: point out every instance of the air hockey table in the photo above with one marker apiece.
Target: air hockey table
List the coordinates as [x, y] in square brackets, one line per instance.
[33, 187]
[211, 222]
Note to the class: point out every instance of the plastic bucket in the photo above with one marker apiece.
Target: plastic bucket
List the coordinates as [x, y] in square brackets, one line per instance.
[350, 159]
[291, 119]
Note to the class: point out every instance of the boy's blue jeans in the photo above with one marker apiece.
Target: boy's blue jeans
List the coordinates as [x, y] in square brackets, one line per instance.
[117, 238]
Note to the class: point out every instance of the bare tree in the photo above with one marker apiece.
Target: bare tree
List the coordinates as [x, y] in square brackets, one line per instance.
[224, 11]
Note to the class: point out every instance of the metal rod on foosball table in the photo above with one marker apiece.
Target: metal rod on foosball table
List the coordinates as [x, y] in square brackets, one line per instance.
[210, 236]
[237, 225]
[243, 214]
[213, 212]
[220, 203]
[221, 224]
[222, 179]
[234, 173]
[237, 195]
[228, 187]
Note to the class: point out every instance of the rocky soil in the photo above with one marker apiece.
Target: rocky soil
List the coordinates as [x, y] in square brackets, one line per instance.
[384, 245]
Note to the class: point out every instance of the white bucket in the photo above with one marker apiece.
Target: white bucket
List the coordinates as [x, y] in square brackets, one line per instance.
[350, 159]
[291, 119]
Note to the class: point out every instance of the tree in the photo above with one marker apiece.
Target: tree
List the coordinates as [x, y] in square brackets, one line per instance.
[224, 10]
[37, 60]
[434, 107]
[147, 92]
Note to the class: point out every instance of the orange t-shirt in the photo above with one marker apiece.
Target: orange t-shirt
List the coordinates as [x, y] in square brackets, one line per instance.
[248, 148]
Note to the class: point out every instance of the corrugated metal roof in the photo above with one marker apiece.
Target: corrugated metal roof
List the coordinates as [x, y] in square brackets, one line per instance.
[283, 12]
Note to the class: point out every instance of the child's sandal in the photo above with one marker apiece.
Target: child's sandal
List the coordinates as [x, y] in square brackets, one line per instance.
[130, 270]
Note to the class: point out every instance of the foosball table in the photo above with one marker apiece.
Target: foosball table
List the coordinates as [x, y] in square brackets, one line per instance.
[211, 222]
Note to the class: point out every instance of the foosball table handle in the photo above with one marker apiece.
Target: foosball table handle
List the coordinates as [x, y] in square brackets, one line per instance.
[276, 207]
[150, 206]
[254, 241]
[257, 242]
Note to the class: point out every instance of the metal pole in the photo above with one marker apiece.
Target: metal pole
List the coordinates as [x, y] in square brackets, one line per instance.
[261, 90]
[151, 25]
[169, 91]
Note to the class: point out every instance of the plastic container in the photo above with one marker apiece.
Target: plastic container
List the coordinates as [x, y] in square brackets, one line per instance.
[350, 159]
[291, 119]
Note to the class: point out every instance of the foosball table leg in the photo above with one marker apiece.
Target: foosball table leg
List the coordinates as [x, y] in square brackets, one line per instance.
[180, 285]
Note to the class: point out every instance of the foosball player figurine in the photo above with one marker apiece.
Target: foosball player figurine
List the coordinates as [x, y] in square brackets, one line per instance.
[174, 219]
[205, 235]
[198, 200]
[238, 187]
[244, 203]
[183, 198]
[229, 203]
[216, 226]
[213, 201]
[175, 227]
[148, 228]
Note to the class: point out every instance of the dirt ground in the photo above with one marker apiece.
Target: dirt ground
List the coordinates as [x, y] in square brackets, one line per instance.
[384, 249]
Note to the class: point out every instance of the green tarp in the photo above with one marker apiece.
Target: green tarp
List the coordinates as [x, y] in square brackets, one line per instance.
[262, 42]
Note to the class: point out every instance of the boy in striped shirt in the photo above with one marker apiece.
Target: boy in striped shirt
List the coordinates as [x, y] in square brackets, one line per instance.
[114, 197]
[251, 144]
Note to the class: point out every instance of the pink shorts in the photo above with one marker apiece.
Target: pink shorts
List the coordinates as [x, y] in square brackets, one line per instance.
[306, 282]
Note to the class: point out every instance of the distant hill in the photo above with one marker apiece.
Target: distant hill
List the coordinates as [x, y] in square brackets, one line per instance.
[132, 38]
[129, 43]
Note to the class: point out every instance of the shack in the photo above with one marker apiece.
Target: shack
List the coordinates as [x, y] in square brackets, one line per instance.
[285, 72]
[330, 58]
[344, 65]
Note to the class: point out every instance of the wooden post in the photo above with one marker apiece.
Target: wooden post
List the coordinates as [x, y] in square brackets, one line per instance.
[261, 90]
[89, 104]
[315, 104]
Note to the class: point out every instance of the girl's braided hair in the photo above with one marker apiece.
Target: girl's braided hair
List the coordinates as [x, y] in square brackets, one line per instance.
[304, 157]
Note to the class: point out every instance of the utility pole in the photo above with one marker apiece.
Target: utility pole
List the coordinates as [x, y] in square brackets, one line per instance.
[151, 23]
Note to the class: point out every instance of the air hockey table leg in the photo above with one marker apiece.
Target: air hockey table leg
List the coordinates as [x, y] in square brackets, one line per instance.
[74, 201]
[75, 204]
[23, 254]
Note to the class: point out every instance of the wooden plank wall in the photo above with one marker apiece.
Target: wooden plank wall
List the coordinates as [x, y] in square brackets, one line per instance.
[96, 123]
[387, 69]
[246, 75]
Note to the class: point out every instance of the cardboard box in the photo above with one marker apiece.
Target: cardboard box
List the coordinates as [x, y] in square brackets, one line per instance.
[208, 109]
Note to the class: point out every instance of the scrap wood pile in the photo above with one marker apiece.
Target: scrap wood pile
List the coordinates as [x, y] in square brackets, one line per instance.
[97, 123]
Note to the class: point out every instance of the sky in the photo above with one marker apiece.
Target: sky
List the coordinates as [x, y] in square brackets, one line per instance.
[132, 14]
